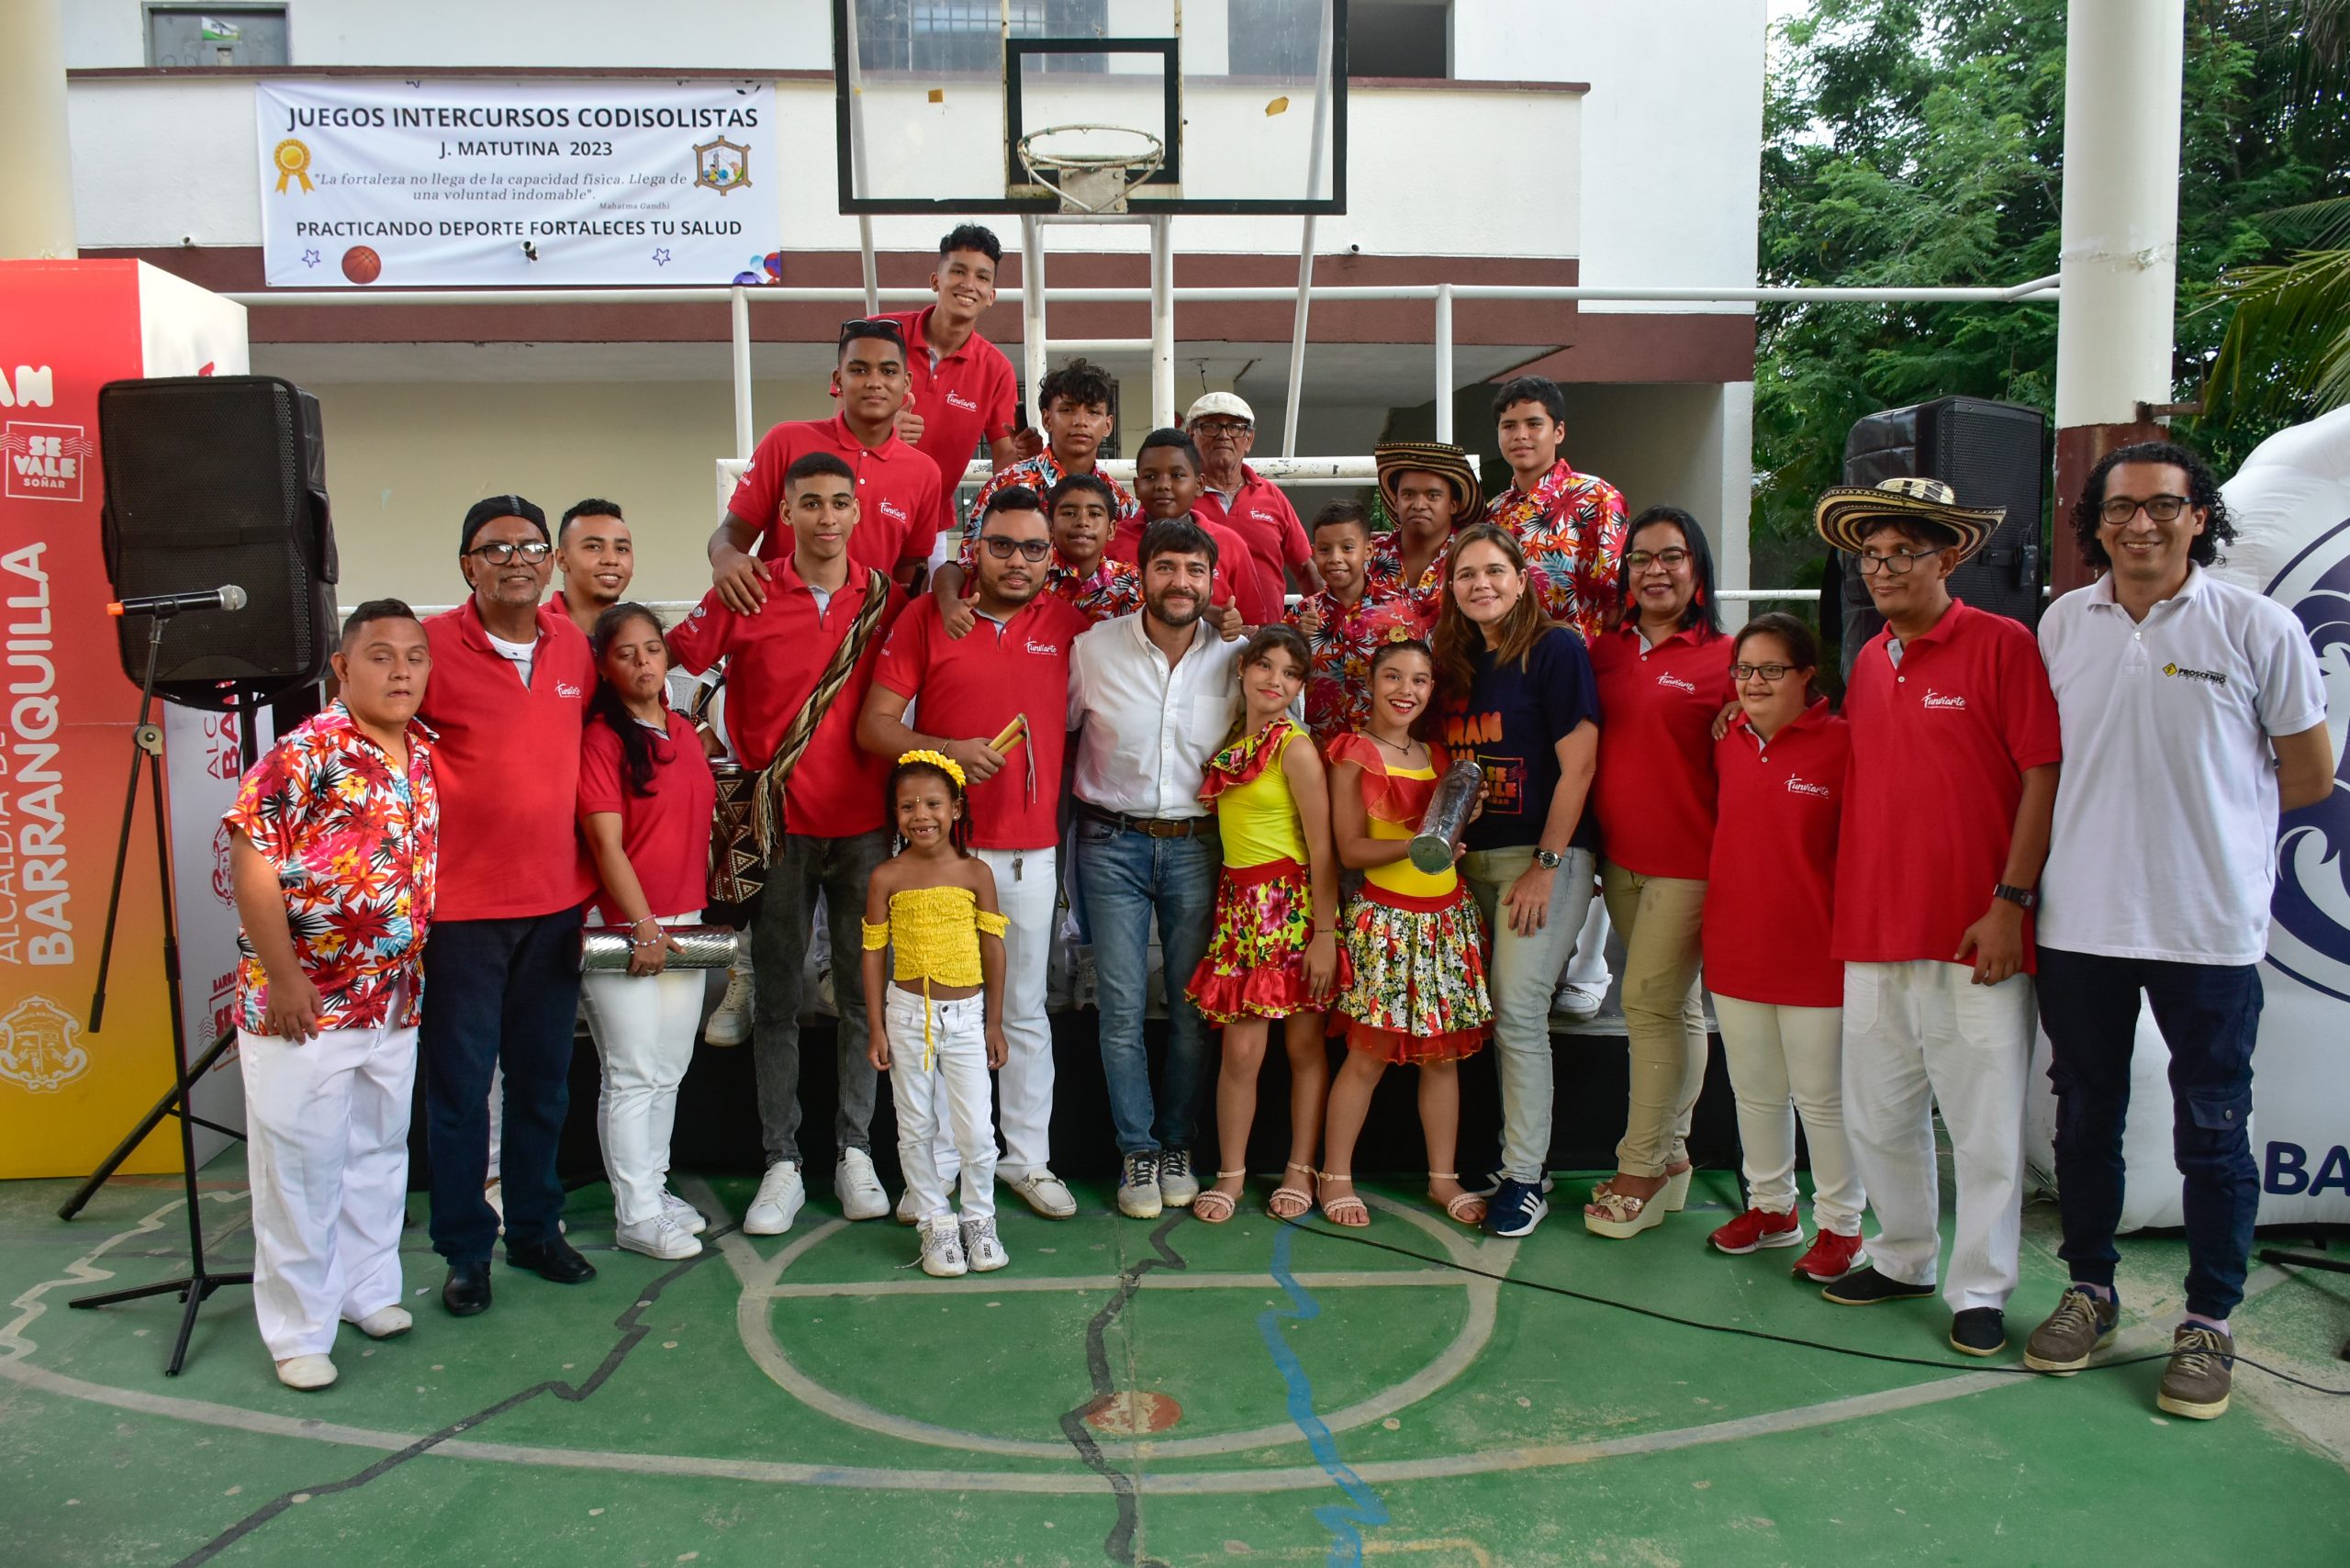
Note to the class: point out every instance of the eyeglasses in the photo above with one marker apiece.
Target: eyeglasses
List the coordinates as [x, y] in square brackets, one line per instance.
[1640, 561]
[1206, 429]
[2118, 510]
[501, 552]
[1768, 672]
[1001, 548]
[1900, 563]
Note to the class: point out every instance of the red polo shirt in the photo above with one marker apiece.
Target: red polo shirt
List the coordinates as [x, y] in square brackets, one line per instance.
[1940, 746]
[774, 660]
[1263, 518]
[1237, 580]
[507, 757]
[974, 685]
[1655, 788]
[1770, 888]
[664, 833]
[966, 399]
[899, 507]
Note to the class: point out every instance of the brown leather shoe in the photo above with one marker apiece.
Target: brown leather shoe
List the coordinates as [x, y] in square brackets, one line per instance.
[2202, 1364]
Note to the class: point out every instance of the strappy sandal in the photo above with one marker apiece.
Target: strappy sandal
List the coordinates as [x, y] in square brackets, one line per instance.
[1347, 1209]
[1623, 1215]
[1214, 1208]
[1300, 1200]
[1465, 1208]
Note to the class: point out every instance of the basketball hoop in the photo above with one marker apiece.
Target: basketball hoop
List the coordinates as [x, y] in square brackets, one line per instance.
[1088, 175]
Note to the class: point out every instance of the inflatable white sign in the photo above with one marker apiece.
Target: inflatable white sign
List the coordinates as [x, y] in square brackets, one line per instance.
[2292, 505]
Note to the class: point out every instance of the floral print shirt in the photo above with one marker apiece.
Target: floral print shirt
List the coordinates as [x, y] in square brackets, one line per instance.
[1342, 638]
[1112, 589]
[1040, 474]
[1572, 529]
[354, 840]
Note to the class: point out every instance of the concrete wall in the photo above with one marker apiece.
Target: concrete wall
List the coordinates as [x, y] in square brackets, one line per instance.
[404, 461]
[1672, 130]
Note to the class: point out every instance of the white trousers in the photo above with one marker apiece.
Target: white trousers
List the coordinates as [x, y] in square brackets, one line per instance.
[645, 1027]
[1784, 1060]
[1921, 1035]
[1027, 889]
[953, 1087]
[325, 1150]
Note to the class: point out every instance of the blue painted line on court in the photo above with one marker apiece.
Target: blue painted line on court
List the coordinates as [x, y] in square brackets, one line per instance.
[1346, 1522]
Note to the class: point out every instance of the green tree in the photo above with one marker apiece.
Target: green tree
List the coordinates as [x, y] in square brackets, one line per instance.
[1921, 142]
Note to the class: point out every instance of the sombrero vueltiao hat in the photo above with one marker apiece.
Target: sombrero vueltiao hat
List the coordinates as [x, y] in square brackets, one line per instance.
[1844, 512]
[1446, 461]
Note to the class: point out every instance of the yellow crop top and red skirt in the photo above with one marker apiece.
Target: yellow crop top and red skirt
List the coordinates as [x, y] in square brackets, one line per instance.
[1255, 965]
[1415, 942]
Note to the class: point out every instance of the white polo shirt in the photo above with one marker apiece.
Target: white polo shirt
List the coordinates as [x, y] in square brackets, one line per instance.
[1146, 732]
[2164, 840]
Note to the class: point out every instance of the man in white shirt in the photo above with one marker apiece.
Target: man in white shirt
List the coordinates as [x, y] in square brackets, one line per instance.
[2193, 712]
[1151, 697]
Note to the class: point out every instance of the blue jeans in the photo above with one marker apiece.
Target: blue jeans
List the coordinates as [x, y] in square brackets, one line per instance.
[2209, 1014]
[498, 992]
[1127, 877]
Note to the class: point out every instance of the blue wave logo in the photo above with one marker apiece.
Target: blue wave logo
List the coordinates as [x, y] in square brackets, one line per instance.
[2310, 938]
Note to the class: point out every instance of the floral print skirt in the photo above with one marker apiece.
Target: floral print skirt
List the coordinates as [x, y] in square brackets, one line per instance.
[1417, 993]
[1255, 965]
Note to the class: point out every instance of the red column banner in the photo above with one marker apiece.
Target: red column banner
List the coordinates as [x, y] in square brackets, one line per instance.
[67, 1092]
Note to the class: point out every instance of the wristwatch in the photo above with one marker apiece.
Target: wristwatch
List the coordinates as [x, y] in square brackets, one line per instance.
[2022, 898]
[1549, 859]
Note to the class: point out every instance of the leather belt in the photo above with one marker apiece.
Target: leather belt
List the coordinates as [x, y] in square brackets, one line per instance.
[1155, 827]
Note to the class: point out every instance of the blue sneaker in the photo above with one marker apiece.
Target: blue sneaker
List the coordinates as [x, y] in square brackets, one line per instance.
[1491, 1183]
[1516, 1209]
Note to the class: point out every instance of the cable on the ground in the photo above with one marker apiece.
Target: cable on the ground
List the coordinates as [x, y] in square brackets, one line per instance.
[1856, 1353]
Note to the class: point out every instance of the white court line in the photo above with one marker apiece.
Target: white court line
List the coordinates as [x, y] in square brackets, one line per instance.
[1083, 1284]
[2146, 1336]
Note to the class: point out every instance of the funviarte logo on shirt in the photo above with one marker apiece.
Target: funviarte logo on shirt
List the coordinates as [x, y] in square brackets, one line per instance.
[956, 400]
[1799, 785]
[2310, 936]
[1666, 677]
[1945, 699]
[564, 688]
[892, 510]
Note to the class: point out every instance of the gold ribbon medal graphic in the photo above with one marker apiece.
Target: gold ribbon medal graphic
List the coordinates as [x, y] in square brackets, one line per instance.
[293, 161]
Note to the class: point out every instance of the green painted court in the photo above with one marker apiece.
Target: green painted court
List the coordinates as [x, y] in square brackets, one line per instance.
[1130, 1392]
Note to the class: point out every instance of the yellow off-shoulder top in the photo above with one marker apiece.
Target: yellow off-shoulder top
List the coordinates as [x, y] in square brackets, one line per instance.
[934, 935]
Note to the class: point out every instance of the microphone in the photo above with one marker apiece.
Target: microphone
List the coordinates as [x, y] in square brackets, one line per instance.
[227, 597]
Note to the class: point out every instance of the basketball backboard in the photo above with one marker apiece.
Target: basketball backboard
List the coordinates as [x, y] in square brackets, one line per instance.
[1247, 98]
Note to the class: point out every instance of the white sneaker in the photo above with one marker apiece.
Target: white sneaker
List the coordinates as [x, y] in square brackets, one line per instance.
[905, 1209]
[982, 1250]
[686, 1218]
[731, 1025]
[1177, 1185]
[494, 1193]
[1138, 1196]
[1578, 1001]
[309, 1372]
[858, 1188]
[781, 1192]
[383, 1323]
[659, 1236]
[1044, 1192]
[941, 1248]
[826, 1002]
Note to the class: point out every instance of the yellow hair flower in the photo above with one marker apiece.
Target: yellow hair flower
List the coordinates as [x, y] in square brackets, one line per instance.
[941, 761]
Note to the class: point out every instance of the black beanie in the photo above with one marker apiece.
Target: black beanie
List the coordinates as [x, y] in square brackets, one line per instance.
[485, 512]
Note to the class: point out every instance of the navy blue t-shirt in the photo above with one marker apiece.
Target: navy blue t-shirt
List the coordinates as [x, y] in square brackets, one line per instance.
[1513, 723]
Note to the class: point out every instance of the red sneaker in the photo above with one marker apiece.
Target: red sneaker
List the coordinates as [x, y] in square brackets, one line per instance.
[1830, 1259]
[1756, 1229]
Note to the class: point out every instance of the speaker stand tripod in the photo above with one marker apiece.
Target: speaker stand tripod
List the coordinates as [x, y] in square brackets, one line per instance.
[201, 1281]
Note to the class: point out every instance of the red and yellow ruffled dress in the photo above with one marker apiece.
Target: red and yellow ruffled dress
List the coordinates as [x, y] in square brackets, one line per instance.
[1415, 942]
[1255, 965]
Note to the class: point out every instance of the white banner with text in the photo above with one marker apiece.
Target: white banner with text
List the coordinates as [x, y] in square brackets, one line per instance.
[479, 184]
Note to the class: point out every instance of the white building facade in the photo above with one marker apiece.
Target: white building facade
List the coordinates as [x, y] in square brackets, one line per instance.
[1491, 142]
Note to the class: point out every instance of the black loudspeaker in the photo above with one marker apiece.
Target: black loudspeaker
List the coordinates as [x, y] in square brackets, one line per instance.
[212, 480]
[1993, 454]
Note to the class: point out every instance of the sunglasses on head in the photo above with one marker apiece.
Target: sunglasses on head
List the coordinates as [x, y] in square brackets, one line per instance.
[875, 328]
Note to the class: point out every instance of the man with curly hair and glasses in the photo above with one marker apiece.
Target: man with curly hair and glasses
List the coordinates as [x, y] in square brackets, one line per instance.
[2193, 713]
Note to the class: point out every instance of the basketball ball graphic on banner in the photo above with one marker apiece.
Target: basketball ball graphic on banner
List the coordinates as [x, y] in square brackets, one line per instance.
[361, 265]
[2311, 940]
